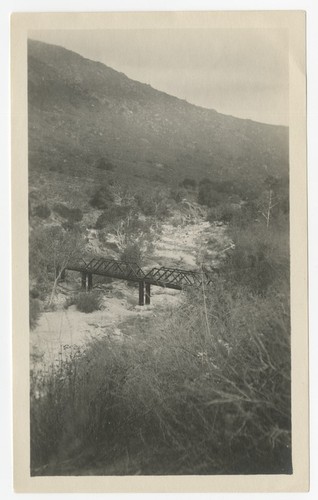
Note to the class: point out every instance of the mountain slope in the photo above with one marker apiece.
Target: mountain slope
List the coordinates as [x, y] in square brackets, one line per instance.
[81, 111]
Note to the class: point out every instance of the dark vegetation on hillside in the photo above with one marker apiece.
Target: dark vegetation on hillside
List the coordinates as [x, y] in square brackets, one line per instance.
[206, 388]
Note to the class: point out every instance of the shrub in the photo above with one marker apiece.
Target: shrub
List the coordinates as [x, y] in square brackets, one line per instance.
[87, 302]
[235, 198]
[179, 194]
[34, 293]
[42, 211]
[34, 312]
[146, 204]
[225, 187]
[152, 205]
[260, 259]
[56, 168]
[71, 214]
[132, 253]
[102, 198]
[111, 216]
[104, 164]
[224, 212]
[188, 183]
[208, 196]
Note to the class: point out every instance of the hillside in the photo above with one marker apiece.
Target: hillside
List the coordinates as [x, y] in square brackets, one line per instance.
[197, 382]
[84, 115]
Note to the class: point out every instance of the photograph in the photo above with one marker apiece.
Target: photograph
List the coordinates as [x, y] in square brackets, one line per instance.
[159, 253]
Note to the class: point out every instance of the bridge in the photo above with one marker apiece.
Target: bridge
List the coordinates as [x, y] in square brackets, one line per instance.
[158, 276]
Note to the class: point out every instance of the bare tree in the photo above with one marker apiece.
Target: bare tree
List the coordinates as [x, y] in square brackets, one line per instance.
[267, 206]
[51, 249]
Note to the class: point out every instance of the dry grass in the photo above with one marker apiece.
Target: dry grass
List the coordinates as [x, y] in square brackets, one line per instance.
[203, 391]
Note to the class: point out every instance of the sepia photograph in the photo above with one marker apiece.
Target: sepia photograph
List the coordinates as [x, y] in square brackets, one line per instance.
[159, 250]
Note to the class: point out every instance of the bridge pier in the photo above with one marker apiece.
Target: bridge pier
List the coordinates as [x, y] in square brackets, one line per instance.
[141, 293]
[144, 293]
[89, 281]
[147, 294]
[83, 282]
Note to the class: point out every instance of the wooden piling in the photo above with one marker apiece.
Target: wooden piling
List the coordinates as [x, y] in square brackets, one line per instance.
[141, 293]
[89, 281]
[147, 294]
[84, 276]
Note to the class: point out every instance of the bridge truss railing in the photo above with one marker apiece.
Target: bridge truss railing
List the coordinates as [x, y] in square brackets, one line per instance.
[159, 276]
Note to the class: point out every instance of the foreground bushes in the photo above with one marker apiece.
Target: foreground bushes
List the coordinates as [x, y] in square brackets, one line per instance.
[260, 260]
[204, 391]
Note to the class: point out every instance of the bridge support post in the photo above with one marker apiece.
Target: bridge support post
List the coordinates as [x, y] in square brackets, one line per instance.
[141, 293]
[84, 279]
[89, 281]
[147, 294]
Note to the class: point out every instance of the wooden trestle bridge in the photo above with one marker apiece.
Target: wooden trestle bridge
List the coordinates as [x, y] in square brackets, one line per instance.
[131, 271]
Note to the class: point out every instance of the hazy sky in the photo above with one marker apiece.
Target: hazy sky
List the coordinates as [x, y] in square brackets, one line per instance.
[241, 72]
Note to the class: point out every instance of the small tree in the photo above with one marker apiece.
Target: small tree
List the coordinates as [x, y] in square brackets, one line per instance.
[51, 249]
[274, 200]
[132, 253]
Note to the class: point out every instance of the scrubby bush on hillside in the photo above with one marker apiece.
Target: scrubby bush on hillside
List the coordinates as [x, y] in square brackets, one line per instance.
[227, 187]
[224, 212]
[42, 211]
[189, 183]
[146, 204]
[260, 259]
[235, 198]
[87, 302]
[153, 204]
[208, 196]
[34, 312]
[178, 194]
[71, 214]
[132, 253]
[56, 168]
[103, 198]
[134, 231]
[34, 293]
[105, 164]
[112, 215]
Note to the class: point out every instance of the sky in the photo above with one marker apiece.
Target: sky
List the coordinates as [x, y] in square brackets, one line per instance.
[239, 72]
